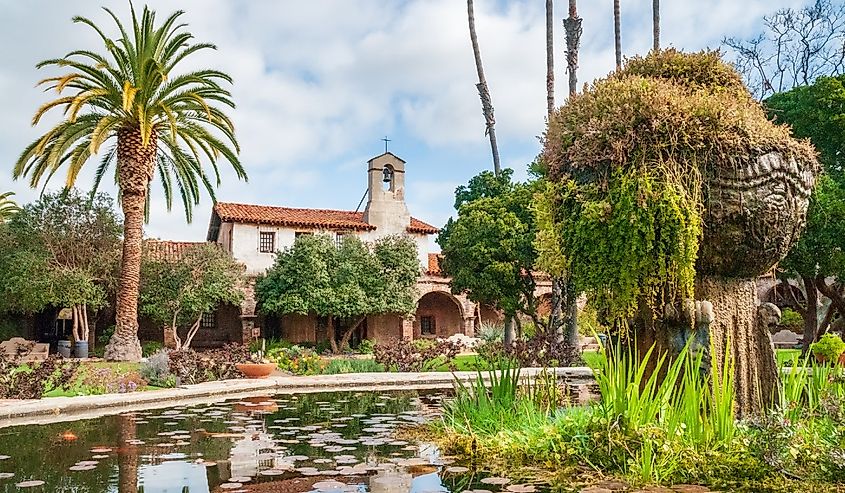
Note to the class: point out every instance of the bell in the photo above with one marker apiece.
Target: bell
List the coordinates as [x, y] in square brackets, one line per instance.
[388, 175]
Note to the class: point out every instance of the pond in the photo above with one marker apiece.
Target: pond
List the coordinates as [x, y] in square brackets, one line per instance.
[339, 442]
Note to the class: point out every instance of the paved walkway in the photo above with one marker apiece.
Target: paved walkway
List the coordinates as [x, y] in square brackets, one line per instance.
[53, 409]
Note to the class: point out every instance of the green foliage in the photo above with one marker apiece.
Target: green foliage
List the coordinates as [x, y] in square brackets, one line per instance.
[828, 348]
[150, 347]
[351, 280]
[59, 251]
[488, 250]
[135, 86]
[156, 369]
[366, 347]
[8, 207]
[336, 366]
[627, 157]
[790, 318]
[177, 290]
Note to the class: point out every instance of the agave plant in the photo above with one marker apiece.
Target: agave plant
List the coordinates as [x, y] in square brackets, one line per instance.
[130, 105]
[8, 207]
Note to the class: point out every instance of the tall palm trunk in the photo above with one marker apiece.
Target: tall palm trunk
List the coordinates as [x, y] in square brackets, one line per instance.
[655, 16]
[135, 162]
[550, 57]
[572, 27]
[617, 31]
[484, 91]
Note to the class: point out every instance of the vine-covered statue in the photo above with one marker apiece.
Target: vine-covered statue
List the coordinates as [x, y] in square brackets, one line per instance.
[669, 184]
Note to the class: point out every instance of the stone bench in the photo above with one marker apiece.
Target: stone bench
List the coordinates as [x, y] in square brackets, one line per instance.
[19, 349]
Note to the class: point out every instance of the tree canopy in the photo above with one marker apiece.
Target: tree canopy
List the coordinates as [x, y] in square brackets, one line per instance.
[61, 251]
[343, 281]
[177, 290]
[488, 251]
[7, 206]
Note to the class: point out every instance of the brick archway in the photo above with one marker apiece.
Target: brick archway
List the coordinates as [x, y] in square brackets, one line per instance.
[439, 314]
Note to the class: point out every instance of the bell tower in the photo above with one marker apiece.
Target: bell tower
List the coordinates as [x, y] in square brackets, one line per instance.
[386, 209]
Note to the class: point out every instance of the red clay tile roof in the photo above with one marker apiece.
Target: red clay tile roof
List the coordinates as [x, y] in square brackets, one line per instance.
[434, 264]
[304, 218]
[164, 249]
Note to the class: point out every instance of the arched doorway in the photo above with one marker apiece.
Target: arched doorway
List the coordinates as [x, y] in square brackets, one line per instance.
[439, 314]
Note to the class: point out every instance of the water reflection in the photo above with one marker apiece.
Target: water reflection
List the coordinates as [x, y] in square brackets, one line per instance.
[291, 444]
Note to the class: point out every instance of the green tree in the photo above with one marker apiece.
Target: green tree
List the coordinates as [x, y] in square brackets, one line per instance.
[133, 105]
[61, 252]
[7, 206]
[344, 283]
[488, 251]
[177, 290]
[817, 112]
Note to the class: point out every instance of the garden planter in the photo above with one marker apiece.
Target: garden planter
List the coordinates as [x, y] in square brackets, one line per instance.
[63, 348]
[823, 359]
[80, 349]
[256, 370]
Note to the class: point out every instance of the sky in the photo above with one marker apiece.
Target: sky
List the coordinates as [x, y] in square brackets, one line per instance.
[319, 83]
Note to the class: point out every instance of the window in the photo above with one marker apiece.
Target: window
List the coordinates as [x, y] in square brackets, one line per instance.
[267, 242]
[338, 241]
[209, 320]
[427, 326]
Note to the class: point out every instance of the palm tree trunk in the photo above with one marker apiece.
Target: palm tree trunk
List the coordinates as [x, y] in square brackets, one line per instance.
[572, 27]
[484, 91]
[550, 57]
[655, 14]
[617, 31]
[135, 163]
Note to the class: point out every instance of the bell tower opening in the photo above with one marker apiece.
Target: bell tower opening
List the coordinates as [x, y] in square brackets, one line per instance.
[386, 209]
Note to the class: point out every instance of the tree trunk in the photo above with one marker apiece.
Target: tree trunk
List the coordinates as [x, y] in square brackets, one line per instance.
[731, 326]
[569, 304]
[655, 14]
[135, 163]
[189, 337]
[510, 331]
[344, 340]
[811, 316]
[550, 57]
[330, 332]
[617, 34]
[736, 331]
[572, 27]
[484, 91]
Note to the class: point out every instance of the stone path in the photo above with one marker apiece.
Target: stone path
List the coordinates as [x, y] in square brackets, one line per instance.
[52, 409]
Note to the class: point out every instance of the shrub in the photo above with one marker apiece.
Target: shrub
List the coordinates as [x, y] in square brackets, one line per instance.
[366, 347]
[336, 366]
[190, 366]
[829, 348]
[296, 359]
[156, 369]
[33, 380]
[418, 355]
[791, 319]
[491, 332]
[151, 347]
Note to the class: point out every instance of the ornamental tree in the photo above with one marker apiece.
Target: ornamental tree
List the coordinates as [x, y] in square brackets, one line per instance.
[343, 282]
[61, 251]
[488, 250]
[817, 112]
[176, 291]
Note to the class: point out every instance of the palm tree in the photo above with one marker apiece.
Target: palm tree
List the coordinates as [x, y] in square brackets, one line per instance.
[550, 57]
[655, 19]
[483, 91]
[617, 31]
[8, 207]
[155, 122]
[572, 27]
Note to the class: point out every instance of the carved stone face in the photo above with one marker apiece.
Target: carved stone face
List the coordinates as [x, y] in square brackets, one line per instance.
[753, 215]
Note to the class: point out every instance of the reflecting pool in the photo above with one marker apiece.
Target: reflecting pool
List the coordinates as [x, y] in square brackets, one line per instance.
[338, 442]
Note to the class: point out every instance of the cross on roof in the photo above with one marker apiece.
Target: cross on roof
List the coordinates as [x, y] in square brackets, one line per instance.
[386, 140]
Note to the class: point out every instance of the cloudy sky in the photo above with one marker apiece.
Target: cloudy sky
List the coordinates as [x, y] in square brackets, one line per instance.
[319, 83]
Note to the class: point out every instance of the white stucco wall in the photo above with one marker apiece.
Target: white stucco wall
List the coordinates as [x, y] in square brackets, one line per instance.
[245, 243]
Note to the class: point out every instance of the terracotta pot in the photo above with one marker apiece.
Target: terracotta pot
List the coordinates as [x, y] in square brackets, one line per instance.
[822, 359]
[256, 370]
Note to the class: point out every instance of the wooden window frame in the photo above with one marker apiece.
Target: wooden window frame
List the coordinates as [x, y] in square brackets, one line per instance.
[263, 245]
